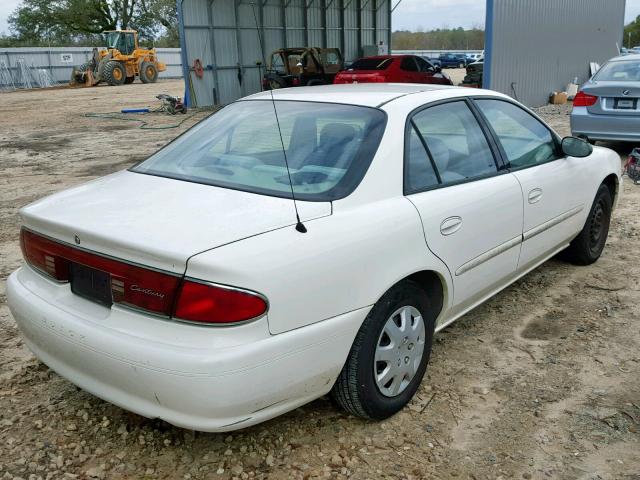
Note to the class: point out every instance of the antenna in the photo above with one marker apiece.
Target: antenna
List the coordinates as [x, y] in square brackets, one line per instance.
[299, 226]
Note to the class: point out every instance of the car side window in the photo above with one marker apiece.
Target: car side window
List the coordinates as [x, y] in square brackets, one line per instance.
[525, 140]
[423, 65]
[409, 64]
[419, 171]
[455, 142]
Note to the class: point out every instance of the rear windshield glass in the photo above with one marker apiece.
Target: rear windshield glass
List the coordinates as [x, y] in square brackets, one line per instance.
[371, 64]
[624, 71]
[328, 147]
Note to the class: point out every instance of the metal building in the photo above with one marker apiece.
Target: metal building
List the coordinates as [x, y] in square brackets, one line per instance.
[536, 47]
[230, 38]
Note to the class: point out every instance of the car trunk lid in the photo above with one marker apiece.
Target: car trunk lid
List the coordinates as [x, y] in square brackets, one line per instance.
[614, 98]
[362, 76]
[159, 222]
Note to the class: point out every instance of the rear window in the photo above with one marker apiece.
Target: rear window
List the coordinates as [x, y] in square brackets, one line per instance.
[371, 64]
[623, 71]
[328, 148]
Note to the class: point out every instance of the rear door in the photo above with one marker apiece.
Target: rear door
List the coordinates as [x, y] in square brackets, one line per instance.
[471, 208]
[552, 204]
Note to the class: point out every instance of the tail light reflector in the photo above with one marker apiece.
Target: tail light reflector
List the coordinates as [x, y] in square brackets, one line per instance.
[215, 304]
[143, 288]
[584, 99]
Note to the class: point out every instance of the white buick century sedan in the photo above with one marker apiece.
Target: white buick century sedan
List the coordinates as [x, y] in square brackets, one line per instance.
[295, 245]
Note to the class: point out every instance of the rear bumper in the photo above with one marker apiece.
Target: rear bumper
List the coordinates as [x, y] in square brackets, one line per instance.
[201, 378]
[605, 127]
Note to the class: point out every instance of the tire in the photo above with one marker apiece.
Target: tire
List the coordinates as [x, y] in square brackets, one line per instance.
[356, 390]
[276, 82]
[587, 247]
[114, 73]
[129, 80]
[148, 72]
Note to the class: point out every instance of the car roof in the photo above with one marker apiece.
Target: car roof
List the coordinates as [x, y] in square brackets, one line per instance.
[364, 94]
[622, 58]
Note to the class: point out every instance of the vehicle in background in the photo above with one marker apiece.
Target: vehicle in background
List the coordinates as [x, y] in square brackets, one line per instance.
[474, 57]
[299, 67]
[393, 69]
[453, 60]
[607, 107]
[121, 62]
[435, 61]
[473, 78]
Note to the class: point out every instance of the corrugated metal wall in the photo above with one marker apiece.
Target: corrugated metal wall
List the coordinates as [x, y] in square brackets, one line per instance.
[59, 61]
[535, 47]
[231, 36]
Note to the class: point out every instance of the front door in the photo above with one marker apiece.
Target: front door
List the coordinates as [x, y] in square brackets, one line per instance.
[553, 207]
[471, 211]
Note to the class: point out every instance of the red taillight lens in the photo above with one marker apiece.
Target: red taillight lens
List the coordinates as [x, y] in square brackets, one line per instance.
[584, 100]
[131, 285]
[44, 255]
[296, 82]
[206, 303]
[143, 288]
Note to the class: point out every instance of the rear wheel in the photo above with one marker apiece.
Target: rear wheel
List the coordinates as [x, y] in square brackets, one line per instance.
[148, 72]
[587, 247]
[114, 73]
[389, 355]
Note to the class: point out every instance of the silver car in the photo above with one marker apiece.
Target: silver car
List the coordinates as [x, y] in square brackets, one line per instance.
[607, 107]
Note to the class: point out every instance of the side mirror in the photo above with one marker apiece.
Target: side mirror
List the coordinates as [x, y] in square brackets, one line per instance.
[438, 69]
[576, 147]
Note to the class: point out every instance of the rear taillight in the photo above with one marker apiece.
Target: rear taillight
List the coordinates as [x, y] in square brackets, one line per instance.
[584, 100]
[215, 304]
[44, 255]
[131, 285]
[143, 288]
[296, 82]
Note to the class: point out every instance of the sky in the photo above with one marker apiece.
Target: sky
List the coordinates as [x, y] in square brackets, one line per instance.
[410, 14]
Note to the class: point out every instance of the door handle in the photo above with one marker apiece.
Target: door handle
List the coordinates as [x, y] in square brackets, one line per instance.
[450, 225]
[535, 195]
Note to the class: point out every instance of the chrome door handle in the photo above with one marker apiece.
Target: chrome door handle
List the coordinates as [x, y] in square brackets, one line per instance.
[535, 195]
[450, 225]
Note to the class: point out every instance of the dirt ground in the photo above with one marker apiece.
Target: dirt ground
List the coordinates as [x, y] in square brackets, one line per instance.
[541, 382]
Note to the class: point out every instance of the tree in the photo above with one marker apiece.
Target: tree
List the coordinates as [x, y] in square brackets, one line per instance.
[444, 38]
[632, 33]
[63, 20]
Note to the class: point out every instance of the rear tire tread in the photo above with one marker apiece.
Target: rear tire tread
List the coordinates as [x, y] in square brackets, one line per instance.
[346, 390]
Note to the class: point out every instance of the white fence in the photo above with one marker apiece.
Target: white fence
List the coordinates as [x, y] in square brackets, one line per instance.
[59, 62]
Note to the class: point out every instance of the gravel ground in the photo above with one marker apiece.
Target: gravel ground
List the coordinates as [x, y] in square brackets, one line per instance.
[540, 382]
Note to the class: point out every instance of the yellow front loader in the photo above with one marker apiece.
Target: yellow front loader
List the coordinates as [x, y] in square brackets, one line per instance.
[121, 62]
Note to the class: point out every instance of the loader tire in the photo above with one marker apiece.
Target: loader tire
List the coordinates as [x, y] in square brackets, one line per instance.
[148, 72]
[114, 73]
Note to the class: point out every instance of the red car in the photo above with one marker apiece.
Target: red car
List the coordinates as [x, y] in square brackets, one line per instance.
[392, 69]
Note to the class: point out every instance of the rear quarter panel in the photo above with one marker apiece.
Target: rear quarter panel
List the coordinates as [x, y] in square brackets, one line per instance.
[344, 262]
[602, 163]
